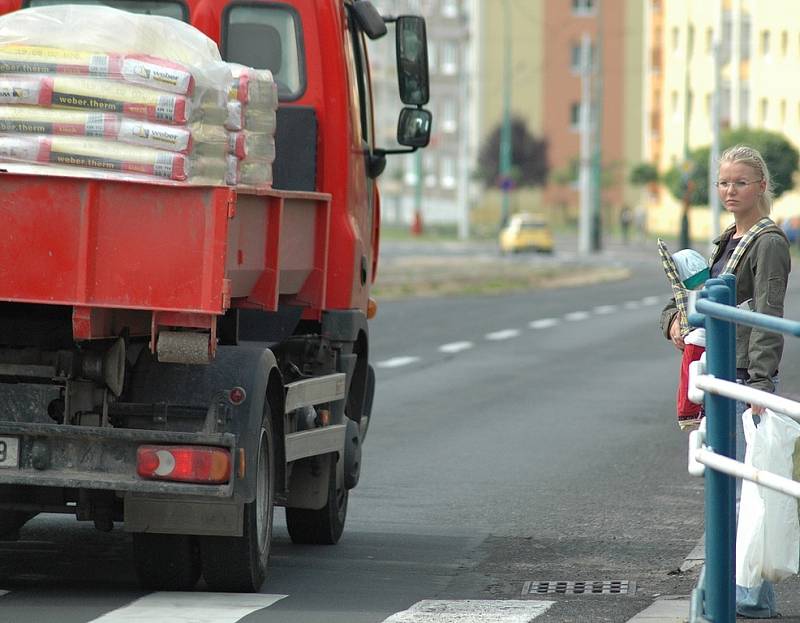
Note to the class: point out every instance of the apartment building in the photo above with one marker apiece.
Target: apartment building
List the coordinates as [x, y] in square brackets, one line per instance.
[759, 44]
[442, 169]
[545, 38]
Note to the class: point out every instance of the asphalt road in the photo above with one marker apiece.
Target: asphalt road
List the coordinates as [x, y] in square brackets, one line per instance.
[515, 439]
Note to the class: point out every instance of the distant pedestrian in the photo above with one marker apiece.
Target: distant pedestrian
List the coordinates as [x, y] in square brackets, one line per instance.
[757, 252]
[625, 220]
[640, 221]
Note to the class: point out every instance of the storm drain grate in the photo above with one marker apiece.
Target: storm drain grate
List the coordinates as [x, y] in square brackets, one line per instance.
[600, 587]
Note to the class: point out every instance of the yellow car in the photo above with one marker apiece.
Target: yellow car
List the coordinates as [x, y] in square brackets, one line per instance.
[526, 231]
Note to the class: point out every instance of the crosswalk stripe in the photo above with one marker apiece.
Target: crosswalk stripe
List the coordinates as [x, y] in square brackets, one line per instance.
[604, 310]
[177, 607]
[576, 316]
[471, 611]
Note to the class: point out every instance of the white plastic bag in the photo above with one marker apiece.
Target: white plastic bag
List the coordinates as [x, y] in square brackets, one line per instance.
[768, 535]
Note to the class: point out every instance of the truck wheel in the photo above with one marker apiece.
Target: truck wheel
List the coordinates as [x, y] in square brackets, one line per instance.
[239, 564]
[168, 562]
[323, 526]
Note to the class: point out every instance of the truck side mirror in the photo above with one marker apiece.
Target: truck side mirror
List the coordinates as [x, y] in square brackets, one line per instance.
[368, 19]
[414, 127]
[412, 60]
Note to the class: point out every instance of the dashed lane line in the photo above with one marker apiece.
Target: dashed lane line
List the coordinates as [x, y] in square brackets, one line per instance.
[505, 334]
[471, 611]
[651, 300]
[192, 607]
[397, 362]
[576, 316]
[632, 305]
[543, 323]
[604, 310]
[455, 347]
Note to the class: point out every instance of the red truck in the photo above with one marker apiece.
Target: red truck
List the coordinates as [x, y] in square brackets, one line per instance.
[180, 359]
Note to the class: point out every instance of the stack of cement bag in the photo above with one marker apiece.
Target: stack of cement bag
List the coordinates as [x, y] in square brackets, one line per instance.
[250, 125]
[97, 92]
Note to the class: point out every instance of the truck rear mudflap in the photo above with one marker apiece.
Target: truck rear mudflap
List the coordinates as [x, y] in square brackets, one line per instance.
[86, 457]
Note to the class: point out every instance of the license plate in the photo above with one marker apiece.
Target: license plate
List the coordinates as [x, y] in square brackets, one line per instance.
[9, 452]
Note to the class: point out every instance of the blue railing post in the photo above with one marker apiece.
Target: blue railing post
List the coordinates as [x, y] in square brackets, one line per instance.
[720, 498]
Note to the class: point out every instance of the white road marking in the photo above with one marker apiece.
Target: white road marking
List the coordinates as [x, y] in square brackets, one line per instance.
[455, 347]
[652, 300]
[632, 305]
[471, 611]
[177, 607]
[604, 310]
[4, 592]
[575, 316]
[397, 362]
[544, 323]
[505, 334]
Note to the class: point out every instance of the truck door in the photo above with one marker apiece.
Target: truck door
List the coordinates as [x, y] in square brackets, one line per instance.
[359, 70]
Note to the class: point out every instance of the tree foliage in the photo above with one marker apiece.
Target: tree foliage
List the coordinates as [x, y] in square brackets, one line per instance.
[779, 154]
[528, 156]
[643, 173]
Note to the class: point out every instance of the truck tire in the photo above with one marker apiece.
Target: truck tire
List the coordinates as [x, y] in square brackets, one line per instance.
[239, 564]
[323, 526]
[169, 562]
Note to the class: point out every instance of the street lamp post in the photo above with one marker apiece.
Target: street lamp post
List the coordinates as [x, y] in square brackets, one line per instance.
[505, 130]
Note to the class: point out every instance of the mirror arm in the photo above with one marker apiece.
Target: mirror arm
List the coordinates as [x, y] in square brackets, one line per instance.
[389, 19]
[386, 152]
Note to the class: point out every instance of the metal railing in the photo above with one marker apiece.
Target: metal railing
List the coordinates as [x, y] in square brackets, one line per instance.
[712, 380]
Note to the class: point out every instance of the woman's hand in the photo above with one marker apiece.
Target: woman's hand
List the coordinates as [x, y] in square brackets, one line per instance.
[675, 332]
[757, 409]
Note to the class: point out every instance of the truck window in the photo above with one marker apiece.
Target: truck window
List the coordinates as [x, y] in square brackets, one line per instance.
[267, 36]
[364, 90]
[166, 8]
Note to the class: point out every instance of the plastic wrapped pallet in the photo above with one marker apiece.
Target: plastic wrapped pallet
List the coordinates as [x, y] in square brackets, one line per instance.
[113, 92]
[254, 145]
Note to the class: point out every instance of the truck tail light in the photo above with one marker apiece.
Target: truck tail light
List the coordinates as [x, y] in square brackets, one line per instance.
[198, 464]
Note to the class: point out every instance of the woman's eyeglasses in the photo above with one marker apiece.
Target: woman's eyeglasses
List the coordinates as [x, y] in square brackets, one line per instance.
[738, 185]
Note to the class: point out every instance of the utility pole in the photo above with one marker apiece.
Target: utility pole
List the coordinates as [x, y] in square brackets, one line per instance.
[585, 174]
[462, 195]
[416, 223]
[505, 131]
[597, 129]
[688, 186]
[713, 159]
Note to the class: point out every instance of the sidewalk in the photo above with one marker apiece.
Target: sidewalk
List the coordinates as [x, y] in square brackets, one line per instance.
[675, 608]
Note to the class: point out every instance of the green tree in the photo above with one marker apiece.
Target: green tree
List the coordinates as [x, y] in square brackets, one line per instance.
[642, 174]
[528, 156]
[779, 154]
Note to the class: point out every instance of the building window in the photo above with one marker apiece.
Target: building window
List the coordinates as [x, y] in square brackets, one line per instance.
[448, 113]
[450, 8]
[582, 7]
[765, 42]
[448, 173]
[783, 113]
[784, 43]
[690, 40]
[676, 38]
[449, 58]
[673, 103]
[575, 57]
[575, 115]
[430, 165]
[709, 104]
[763, 111]
[709, 41]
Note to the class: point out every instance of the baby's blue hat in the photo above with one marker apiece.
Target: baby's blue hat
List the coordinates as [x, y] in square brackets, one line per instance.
[692, 268]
